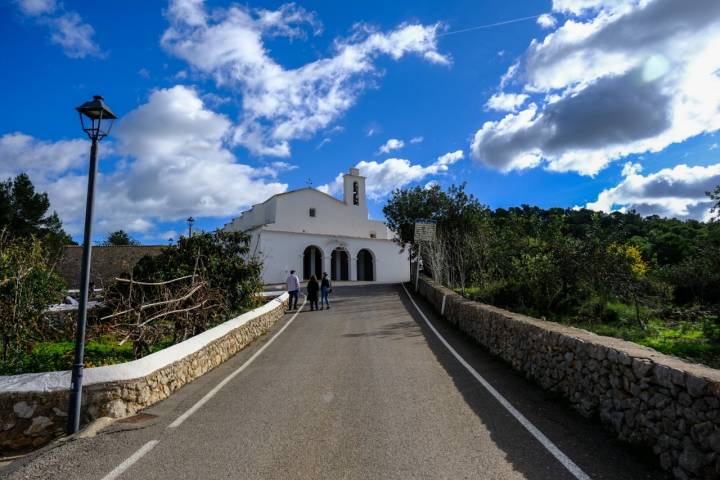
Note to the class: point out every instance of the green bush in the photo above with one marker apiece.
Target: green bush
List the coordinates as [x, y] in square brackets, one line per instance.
[218, 257]
[55, 356]
[28, 284]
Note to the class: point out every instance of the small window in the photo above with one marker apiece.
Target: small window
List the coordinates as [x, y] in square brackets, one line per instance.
[312, 212]
[373, 235]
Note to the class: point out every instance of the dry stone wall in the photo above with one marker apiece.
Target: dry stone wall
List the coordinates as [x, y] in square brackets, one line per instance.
[33, 407]
[646, 398]
[108, 262]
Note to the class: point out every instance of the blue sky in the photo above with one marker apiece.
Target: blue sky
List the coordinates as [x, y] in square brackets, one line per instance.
[224, 104]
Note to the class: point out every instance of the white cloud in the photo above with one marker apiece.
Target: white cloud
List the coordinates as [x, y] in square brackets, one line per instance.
[384, 177]
[631, 169]
[671, 192]
[177, 164]
[444, 161]
[322, 143]
[418, 139]
[36, 7]
[390, 145]
[547, 21]
[39, 159]
[579, 7]
[280, 104]
[67, 28]
[506, 102]
[606, 92]
[74, 36]
[168, 235]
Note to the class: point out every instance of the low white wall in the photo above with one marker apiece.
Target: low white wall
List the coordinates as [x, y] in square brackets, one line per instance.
[33, 407]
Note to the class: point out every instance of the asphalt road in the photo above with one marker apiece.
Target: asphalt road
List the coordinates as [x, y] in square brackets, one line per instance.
[365, 390]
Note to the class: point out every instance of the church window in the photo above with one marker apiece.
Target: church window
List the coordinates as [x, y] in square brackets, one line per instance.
[312, 212]
[356, 194]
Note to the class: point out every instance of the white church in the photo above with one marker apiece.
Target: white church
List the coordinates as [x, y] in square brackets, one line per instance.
[312, 232]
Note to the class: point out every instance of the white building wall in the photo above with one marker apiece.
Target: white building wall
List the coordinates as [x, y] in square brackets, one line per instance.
[283, 251]
[281, 228]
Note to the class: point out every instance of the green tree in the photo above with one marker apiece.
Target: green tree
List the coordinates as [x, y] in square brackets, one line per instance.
[219, 257]
[24, 212]
[715, 197]
[119, 238]
[453, 210]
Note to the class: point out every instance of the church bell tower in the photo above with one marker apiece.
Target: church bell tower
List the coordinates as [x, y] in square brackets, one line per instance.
[354, 190]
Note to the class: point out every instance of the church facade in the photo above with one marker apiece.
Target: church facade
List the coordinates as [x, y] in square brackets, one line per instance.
[312, 232]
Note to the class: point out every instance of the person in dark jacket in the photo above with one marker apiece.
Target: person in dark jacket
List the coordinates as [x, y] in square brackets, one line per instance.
[313, 288]
[325, 289]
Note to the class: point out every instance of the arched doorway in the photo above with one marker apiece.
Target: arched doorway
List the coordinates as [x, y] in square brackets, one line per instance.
[312, 262]
[365, 265]
[340, 264]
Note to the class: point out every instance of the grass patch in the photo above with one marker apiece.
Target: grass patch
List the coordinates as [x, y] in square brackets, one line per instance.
[52, 356]
[683, 339]
[696, 341]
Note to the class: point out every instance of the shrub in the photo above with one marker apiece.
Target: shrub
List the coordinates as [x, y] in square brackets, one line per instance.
[27, 286]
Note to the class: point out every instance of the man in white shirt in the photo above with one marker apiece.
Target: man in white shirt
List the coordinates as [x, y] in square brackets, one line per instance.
[293, 287]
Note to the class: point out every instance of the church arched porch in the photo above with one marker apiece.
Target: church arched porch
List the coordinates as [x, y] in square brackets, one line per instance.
[340, 264]
[365, 265]
[312, 262]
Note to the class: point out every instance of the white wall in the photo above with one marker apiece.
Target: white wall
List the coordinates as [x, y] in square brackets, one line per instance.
[290, 212]
[283, 251]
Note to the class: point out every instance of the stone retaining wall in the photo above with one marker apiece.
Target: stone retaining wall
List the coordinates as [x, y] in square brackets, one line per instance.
[645, 397]
[33, 407]
[108, 262]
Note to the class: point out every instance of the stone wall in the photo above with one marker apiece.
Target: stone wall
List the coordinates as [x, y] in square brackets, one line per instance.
[33, 407]
[646, 398]
[107, 262]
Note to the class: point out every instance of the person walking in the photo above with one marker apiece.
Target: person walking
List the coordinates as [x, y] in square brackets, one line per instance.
[325, 289]
[313, 288]
[293, 287]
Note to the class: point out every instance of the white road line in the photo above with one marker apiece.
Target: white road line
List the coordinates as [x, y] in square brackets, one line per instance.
[546, 442]
[130, 461]
[178, 421]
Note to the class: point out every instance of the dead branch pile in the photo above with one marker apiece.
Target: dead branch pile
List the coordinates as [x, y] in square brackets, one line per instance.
[149, 313]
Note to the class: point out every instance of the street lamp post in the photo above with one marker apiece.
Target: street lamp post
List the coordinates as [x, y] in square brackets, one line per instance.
[190, 222]
[96, 120]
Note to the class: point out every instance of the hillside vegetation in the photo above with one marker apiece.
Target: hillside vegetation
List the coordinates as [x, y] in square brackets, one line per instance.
[652, 280]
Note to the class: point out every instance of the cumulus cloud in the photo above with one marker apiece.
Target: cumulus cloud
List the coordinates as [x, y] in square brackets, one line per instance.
[384, 177]
[418, 139]
[671, 192]
[547, 21]
[67, 28]
[282, 104]
[177, 163]
[602, 92]
[578, 7]
[40, 159]
[390, 145]
[506, 102]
